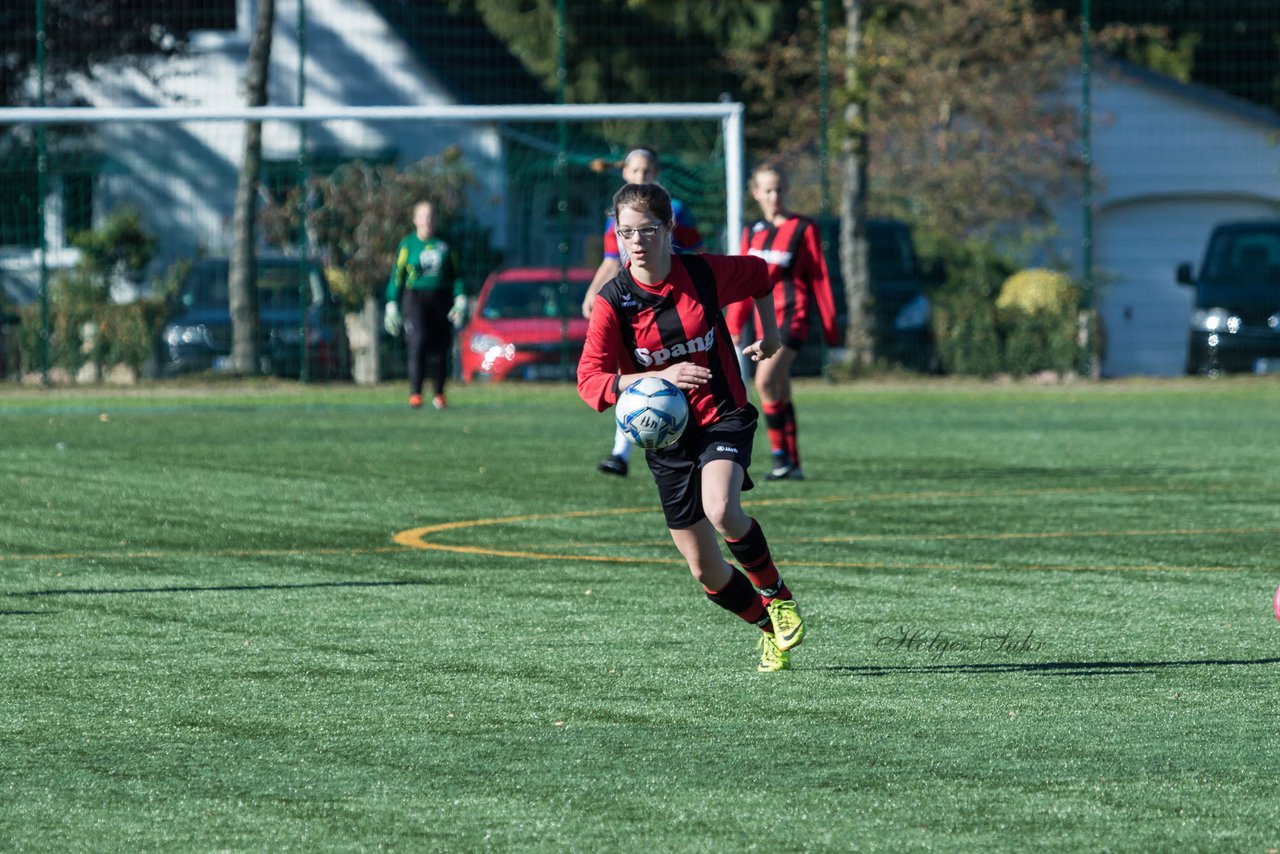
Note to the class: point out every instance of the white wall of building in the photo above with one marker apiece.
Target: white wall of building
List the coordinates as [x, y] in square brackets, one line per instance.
[184, 176]
[1170, 162]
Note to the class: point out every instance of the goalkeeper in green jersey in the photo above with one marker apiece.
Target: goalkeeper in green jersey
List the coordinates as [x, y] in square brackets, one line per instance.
[426, 280]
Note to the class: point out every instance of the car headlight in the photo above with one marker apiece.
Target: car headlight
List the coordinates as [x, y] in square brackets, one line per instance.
[914, 315]
[492, 348]
[178, 334]
[1215, 320]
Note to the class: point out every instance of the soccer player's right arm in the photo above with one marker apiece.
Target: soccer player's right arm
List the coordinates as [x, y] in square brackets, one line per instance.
[598, 367]
[399, 273]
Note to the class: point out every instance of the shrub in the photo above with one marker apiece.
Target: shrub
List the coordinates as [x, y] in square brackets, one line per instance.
[1038, 311]
[966, 334]
[84, 326]
[965, 328]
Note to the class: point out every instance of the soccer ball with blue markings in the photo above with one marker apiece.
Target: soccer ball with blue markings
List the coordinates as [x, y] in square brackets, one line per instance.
[652, 413]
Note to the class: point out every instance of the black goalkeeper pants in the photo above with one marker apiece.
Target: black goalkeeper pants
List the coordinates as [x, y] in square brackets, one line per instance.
[428, 334]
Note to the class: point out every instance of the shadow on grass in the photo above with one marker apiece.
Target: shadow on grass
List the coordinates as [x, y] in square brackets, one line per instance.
[222, 588]
[1054, 668]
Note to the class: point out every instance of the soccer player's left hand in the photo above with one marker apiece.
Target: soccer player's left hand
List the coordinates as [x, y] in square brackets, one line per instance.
[391, 320]
[686, 376]
[458, 314]
[763, 349]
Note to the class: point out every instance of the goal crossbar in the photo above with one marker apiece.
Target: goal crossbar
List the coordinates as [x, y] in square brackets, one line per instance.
[730, 115]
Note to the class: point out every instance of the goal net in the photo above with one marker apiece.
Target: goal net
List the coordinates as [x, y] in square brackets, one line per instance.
[517, 186]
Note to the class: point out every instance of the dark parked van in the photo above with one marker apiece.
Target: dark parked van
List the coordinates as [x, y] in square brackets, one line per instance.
[1235, 322]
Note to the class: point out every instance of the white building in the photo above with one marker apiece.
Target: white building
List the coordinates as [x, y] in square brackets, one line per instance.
[1171, 160]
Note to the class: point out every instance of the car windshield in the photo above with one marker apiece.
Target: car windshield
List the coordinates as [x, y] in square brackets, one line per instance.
[1246, 257]
[509, 299]
[207, 286]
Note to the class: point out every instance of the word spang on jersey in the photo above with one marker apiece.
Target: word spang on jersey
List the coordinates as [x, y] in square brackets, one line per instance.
[652, 413]
[647, 358]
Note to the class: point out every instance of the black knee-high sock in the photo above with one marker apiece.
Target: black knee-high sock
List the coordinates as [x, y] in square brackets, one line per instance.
[739, 597]
[752, 551]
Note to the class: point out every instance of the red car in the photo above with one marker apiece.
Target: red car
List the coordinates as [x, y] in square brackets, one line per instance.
[524, 325]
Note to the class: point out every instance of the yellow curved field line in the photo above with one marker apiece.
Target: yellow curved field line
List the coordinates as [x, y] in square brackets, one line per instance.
[422, 539]
[418, 538]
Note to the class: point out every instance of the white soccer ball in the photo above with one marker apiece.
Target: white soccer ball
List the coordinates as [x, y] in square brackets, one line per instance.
[652, 413]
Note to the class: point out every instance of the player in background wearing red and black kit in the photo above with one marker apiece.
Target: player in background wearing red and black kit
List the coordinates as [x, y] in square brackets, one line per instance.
[640, 166]
[661, 316]
[792, 247]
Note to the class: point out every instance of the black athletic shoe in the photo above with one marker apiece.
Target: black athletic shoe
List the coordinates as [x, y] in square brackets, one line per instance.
[613, 465]
[784, 469]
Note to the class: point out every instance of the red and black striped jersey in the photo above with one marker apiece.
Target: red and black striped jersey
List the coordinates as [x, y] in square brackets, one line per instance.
[637, 328]
[798, 269]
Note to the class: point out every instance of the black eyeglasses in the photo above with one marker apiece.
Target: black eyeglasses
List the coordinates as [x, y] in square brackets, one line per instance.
[647, 232]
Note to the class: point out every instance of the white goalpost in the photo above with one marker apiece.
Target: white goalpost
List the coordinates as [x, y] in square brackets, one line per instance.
[729, 114]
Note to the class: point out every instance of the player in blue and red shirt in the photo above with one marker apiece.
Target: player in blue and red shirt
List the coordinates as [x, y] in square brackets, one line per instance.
[640, 166]
[661, 316]
[792, 247]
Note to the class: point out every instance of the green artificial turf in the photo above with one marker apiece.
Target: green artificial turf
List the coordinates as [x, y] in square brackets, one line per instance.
[280, 618]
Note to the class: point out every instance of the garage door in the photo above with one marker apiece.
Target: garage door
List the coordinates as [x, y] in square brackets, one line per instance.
[1144, 310]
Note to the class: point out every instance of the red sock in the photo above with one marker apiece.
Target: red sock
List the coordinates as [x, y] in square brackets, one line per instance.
[775, 423]
[752, 551]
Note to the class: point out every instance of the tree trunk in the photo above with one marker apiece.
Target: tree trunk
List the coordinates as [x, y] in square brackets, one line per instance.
[364, 330]
[853, 203]
[242, 285]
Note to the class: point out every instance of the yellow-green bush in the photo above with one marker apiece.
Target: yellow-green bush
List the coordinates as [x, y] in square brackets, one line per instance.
[1038, 311]
[1039, 291]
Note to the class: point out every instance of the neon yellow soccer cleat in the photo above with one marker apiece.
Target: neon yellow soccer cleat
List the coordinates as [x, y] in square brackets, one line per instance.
[771, 658]
[787, 626]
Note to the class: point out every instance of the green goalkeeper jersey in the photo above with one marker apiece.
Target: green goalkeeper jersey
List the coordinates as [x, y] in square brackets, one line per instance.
[423, 265]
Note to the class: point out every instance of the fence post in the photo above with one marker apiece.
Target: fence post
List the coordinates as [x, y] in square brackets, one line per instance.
[1086, 201]
[304, 293]
[42, 187]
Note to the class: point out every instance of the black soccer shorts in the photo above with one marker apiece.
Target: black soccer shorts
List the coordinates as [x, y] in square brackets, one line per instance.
[677, 469]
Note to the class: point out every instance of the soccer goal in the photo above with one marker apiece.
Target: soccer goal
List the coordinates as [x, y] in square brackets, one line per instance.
[520, 185]
[177, 163]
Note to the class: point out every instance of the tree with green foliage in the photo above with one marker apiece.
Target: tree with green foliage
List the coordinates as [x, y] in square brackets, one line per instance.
[614, 48]
[80, 35]
[1230, 45]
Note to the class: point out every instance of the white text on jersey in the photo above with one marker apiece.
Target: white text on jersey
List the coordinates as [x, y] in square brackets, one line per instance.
[648, 358]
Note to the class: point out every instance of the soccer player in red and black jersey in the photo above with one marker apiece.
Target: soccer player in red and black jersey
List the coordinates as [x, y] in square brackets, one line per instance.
[792, 247]
[661, 316]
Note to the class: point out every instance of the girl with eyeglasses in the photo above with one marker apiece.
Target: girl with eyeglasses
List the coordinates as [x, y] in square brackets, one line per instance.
[661, 316]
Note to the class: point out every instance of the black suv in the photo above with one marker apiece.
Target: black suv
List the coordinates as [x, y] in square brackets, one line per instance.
[1235, 324]
[198, 337]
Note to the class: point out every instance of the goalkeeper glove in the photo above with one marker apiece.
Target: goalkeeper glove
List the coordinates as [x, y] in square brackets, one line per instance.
[458, 314]
[391, 319]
